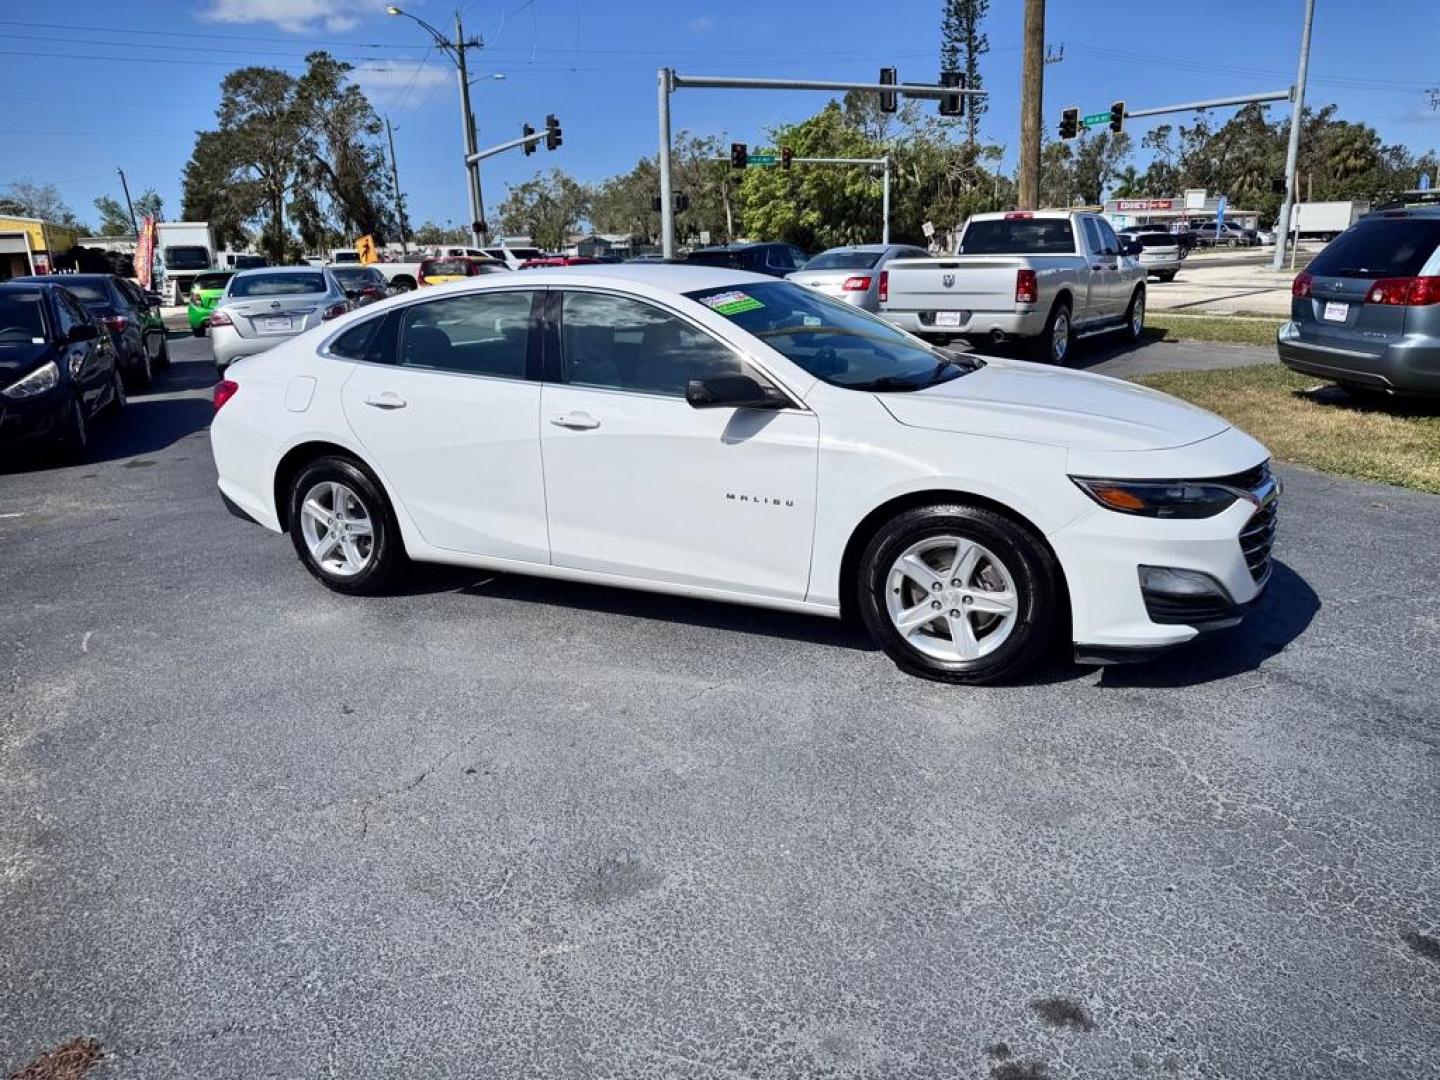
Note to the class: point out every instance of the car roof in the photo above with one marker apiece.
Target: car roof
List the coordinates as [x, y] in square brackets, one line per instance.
[26, 285]
[278, 270]
[61, 279]
[863, 247]
[742, 247]
[671, 277]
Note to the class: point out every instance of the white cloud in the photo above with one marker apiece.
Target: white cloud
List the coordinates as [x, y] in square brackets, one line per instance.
[295, 16]
[387, 84]
[702, 24]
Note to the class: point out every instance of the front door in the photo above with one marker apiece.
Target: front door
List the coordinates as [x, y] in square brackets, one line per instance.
[453, 422]
[640, 484]
[1103, 272]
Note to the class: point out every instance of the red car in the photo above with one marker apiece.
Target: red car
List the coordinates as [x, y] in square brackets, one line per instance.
[559, 260]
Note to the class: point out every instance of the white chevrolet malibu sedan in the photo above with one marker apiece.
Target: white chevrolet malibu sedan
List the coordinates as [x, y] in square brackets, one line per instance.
[722, 435]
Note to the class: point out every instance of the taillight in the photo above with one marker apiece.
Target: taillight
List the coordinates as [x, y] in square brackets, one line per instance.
[334, 311]
[1405, 292]
[884, 284]
[219, 318]
[1300, 287]
[224, 391]
[856, 284]
[118, 323]
[1027, 290]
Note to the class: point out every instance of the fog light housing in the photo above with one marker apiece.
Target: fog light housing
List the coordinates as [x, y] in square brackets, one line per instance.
[1174, 596]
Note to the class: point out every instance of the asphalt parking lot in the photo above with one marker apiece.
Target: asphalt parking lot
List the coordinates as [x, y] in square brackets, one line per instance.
[504, 827]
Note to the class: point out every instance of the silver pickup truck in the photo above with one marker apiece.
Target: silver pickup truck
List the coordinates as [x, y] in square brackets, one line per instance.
[1045, 277]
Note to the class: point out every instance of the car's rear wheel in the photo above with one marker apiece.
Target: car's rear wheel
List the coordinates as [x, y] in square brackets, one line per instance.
[959, 593]
[1166, 275]
[118, 400]
[162, 358]
[75, 433]
[1053, 344]
[343, 528]
[142, 369]
[1135, 315]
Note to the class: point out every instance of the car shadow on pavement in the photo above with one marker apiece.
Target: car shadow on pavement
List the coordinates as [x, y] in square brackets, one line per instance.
[147, 426]
[600, 599]
[1287, 608]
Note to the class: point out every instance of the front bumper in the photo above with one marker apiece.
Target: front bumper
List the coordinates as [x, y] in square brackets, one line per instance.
[1112, 609]
[1409, 365]
[1023, 323]
[34, 421]
[228, 346]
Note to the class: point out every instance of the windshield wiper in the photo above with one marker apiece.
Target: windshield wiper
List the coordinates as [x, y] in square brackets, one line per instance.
[886, 382]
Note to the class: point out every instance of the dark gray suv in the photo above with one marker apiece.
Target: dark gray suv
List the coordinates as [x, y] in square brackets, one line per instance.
[1366, 311]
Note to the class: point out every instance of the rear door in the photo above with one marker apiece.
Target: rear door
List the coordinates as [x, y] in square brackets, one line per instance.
[1101, 271]
[446, 405]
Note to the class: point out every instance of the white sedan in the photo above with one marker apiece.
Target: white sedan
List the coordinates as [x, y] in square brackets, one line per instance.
[723, 435]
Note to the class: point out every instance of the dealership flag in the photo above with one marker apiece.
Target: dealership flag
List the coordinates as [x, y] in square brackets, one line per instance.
[145, 253]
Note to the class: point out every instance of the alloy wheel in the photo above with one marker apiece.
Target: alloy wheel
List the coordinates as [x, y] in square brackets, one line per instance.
[337, 529]
[1060, 336]
[1137, 316]
[951, 598]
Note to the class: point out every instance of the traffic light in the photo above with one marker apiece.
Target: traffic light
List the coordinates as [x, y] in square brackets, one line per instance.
[552, 132]
[786, 156]
[889, 102]
[526, 130]
[1117, 117]
[952, 104]
[739, 155]
[1069, 122]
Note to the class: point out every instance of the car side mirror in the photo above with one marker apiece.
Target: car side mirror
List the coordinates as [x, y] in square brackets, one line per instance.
[154, 299]
[733, 392]
[1133, 248]
[82, 332]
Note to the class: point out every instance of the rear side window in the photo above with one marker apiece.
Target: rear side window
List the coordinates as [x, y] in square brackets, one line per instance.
[211, 281]
[1386, 247]
[1018, 236]
[355, 342]
[258, 284]
[486, 333]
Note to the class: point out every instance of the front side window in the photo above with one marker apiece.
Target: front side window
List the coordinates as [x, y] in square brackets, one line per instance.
[617, 343]
[832, 341]
[1110, 243]
[485, 333]
[1092, 236]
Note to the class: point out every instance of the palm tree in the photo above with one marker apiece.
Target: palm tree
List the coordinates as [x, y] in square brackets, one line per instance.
[1128, 184]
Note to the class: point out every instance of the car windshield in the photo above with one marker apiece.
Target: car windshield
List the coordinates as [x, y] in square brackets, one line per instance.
[835, 342]
[256, 284]
[212, 281]
[184, 257]
[1150, 240]
[1379, 247]
[1018, 236]
[844, 260]
[447, 268]
[22, 319]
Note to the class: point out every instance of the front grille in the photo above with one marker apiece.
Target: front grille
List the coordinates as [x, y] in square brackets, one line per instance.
[1258, 537]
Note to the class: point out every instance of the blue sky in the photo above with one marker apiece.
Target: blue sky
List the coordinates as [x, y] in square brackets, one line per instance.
[91, 84]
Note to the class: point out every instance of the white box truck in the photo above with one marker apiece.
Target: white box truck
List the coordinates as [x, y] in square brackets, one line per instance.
[1326, 220]
[183, 251]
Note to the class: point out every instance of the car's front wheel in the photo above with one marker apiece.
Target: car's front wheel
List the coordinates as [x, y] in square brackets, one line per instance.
[1135, 315]
[1053, 344]
[959, 593]
[343, 528]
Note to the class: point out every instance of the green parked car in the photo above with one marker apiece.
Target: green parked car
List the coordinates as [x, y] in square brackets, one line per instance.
[204, 291]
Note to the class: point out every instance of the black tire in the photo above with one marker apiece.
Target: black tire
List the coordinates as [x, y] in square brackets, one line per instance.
[198, 331]
[75, 439]
[1032, 570]
[117, 399]
[403, 283]
[1371, 396]
[142, 372]
[1167, 276]
[1043, 348]
[387, 555]
[1132, 331]
[163, 360]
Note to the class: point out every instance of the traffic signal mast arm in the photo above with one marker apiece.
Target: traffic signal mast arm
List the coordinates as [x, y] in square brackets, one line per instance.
[530, 136]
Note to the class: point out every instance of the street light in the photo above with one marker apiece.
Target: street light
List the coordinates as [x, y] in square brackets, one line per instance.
[456, 51]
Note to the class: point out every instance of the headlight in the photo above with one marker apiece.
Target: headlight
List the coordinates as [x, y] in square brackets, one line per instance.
[36, 383]
[1159, 498]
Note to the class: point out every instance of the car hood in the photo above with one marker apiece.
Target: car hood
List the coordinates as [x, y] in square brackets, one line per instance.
[1012, 399]
[17, 361]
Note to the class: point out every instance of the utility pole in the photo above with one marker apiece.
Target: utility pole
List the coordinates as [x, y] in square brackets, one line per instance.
[1292, 153]
[479, 232]
[1032, 103]
[125, 186]
[399, 199]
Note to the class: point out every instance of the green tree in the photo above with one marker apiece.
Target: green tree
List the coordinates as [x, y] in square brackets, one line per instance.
[149, 204]
[1097, 158]
[114, 218]
[432, 235]
[217, 187]
[1128, 184]
[27, 198]
[547, 209]
[962, 43]
[341, 156]
[259, 119]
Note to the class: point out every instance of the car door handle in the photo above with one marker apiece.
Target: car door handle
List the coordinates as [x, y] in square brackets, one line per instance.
[577, 421]
[386, 400]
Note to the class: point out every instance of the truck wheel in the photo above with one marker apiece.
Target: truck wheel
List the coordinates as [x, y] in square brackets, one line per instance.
[198, 331]
[1053, 344]
[1135, 316]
